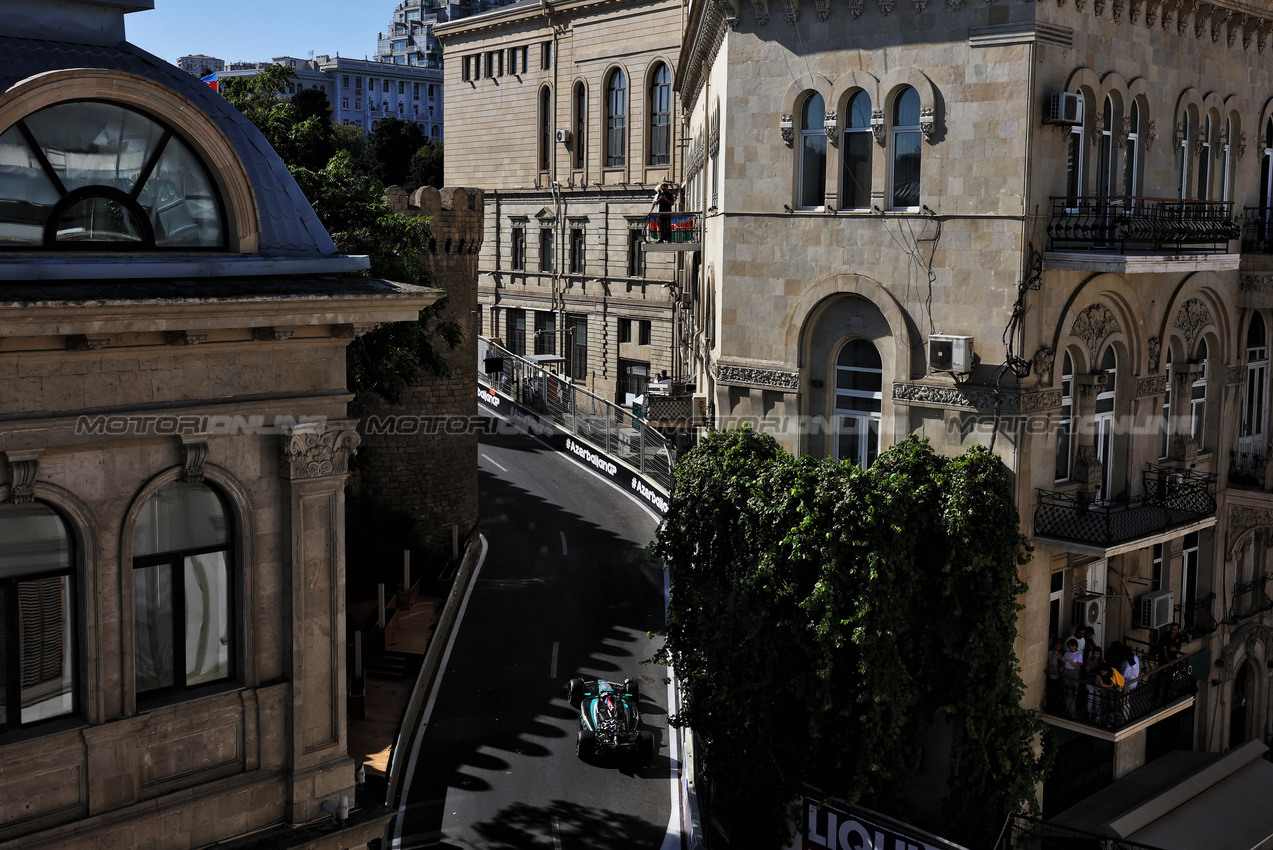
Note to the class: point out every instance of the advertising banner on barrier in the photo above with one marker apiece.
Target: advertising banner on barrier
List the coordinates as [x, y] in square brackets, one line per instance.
[577, 450]
[829, 827]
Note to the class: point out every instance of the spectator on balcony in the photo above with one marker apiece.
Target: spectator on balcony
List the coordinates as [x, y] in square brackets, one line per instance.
[1089, 635]
[664, 198]
[1103, 694]
[1169, 646]
[1078, 636]
[1071, 672]
[1056, 664]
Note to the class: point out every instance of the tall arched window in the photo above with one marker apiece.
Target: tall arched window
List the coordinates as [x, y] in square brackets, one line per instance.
[1204, 160]
[1266, 171]
[1165, 430]
[661, 116]
[183, 590]
[1182, 158]
[1252, 439]
[545, 129]
[1198, 399]
[101, 176]
[1226, 161]
[1074, 168]
[859, 380]
[1105, 153]
[37, 619]
[855, 190]
[1131, 151]
[1104, 421]
[580, 140]
[1065, 423]
[616, 119]
[813, 153]
[906, 147]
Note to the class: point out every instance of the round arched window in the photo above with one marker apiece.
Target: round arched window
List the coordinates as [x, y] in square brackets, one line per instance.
[101, 176]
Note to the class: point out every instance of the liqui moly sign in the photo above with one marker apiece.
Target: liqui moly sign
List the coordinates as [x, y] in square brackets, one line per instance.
[826, 827]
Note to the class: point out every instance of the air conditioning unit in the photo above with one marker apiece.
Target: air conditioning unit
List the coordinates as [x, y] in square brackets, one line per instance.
[563, 136]
[1089, 610]
[950, 354]
[1065, 108]
[1155, 609]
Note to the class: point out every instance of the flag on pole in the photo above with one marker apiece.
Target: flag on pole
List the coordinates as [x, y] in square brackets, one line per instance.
[211, 80]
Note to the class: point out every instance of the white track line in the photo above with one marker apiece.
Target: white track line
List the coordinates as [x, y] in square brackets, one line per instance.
[433, 693]
[564, 553]
[553, 673]
[497, 466]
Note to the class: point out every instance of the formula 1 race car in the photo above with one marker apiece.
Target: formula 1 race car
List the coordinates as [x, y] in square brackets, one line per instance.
[608, 719]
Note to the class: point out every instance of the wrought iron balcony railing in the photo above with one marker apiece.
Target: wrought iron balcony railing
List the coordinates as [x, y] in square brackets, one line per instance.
[1145, 225]
[1196, 619]
[1250, 598]
[1246, 469]
[1172, 498]
[683, 230]
[1257, 230]
[1087, 703]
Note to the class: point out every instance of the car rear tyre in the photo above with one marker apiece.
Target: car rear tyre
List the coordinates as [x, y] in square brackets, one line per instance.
[586, 744]
[576, 692]
[632, 688]
[645, 747]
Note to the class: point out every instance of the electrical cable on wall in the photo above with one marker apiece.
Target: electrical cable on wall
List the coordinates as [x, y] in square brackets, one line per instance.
[1012, 359]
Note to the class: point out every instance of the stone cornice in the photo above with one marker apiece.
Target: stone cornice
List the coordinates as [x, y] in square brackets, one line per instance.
[959, 397]
[737, 375]
[1025, 32]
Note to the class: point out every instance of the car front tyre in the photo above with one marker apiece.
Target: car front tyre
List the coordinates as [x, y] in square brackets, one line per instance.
[576, 692]
[645, 747]
[586, 744]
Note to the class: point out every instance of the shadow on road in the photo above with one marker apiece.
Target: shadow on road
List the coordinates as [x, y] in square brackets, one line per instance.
[519, 827]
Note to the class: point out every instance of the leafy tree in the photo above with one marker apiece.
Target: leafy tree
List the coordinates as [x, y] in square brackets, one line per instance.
[392, 144]
[426, 167]
[256, 95]
[821, 622]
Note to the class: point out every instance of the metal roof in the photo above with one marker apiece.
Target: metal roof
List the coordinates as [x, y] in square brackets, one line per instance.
[289, 227]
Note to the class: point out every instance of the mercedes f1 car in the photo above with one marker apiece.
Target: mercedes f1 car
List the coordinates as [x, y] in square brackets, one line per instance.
[609, 715]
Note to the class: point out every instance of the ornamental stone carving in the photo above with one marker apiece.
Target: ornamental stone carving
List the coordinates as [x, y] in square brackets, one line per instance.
[1133, 13]
[319, 449]
[1237, 375]
[886, 6]
[1126, 132]
[1155, 352]
[750, 376]
[829, 122]
[790, 11]
[762, 11]
[1151, 133]
[1098, 7]
[1247, 639]
[1046, 400]
[1256, 283]
[1184, 448]
[1150, 14]
[927, 123]
[1118, 11]
[955, 397]
[877, 125]
[1153, 385]
[1088, 469]
[1244, 519]
[787, 127]
[194, 453]
[1094, 324]
[1192, 317]
[1044, 360]
[954, 4]
[920, 5]
[23, 468]
[823, 8]
[855, 8]
[1241, 144]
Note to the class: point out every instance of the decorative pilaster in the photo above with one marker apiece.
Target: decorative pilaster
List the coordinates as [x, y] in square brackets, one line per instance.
[319, 449]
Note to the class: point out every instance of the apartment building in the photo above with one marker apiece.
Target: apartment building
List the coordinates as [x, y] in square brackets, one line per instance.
[569, 136]
[196, 63]
[1041, 227]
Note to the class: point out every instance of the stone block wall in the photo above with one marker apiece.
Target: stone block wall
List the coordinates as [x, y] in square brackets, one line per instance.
[420, 456]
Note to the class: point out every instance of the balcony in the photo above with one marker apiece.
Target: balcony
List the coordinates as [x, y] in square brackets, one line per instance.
[1195, 617]
[1246, 469]
[1175, 501]
[1158, 692]
[1137, 234]
[1257, 230]
[685, 232]
[1250, 599]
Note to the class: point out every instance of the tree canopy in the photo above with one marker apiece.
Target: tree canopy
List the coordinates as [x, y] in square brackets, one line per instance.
[825, 620]
[336, 167]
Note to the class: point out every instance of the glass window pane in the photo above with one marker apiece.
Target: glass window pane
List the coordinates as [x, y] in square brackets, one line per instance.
[853, 379]
[181, 201]
[95, 144]
[906, 109]
[906, 169]
[207, 590]
[850, 439]
[857, 171]
[44, 629]
[813, 116]
[860, 354]
[860, 111]
[180, 516]
[813, 170]
[27, 195]
[35, 538]
[98, 220]
[153, 627]
[4, 655]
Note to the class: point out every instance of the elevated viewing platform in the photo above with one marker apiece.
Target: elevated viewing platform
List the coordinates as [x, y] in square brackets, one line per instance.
[685, 232]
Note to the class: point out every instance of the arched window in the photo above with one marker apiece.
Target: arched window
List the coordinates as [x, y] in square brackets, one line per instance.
[545, 129]
[1105, 153]
[580, 140]
[1226, 161]
[1074, 168]
[1104, 421]
[855, 190]
[616, 119]
[1182, 159]
[859, 380]
[183, 590]
[906, 146]
[813, 153]
[37, 620]
[1266, 171]
[1131, 151]
[661, 116]
[1164, 434]
[1252, 439]
[1065, 424]
[101, 176]
[1204, 161]
[1198, 399]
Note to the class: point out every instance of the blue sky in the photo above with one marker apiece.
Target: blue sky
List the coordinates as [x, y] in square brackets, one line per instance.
[258, 30]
